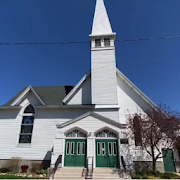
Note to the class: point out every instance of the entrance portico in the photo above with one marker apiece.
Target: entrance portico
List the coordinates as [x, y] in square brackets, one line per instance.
[91, 136]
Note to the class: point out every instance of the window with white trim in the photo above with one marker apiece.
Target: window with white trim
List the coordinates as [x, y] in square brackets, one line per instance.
[106, 42]
[106, 133]
[76, 133]
[27, 125]
[97, 42]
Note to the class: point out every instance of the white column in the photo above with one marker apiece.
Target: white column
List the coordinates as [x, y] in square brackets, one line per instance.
[91, 147]
[119, 149]
[58, 150]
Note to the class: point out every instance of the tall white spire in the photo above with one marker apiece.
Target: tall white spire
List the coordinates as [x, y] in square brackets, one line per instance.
[101, 24]
[103, 60]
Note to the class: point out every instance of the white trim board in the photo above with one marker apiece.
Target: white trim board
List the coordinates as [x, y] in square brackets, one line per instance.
[136, 89]
[71, 93]
[19, 98]
[93, 114]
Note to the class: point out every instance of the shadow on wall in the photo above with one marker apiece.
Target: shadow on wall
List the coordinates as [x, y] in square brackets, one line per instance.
[47, 160]
[86, 91]
[9, 113]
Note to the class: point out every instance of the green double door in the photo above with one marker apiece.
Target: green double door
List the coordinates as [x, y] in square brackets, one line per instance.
[75, 153]
[107, 153]
[168, 159]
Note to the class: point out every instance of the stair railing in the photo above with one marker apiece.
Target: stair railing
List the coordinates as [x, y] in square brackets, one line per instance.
[58, 161]
[89, 167]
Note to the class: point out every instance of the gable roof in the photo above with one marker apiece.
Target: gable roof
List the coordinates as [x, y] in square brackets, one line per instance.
[95, 115]
[75, 88]
[52, 95]
[135, 88]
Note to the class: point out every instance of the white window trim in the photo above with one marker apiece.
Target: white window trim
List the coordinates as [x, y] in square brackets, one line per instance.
[67, 147]
[79, 143]
[83, 144]
[114, 146]
[98, 148]
[73, 148]
[103, 149]
[111, 149]
[20, 134]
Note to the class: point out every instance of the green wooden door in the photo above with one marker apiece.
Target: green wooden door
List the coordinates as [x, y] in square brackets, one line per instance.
[106, 153]
[75, 153]
[168, 160]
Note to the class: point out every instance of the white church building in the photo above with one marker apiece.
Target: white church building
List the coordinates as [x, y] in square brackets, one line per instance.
[80, 126]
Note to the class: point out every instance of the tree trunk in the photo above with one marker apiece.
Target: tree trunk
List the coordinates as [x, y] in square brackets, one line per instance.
[154, 166]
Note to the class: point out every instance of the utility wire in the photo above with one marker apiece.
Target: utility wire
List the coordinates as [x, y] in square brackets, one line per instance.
[85, 42]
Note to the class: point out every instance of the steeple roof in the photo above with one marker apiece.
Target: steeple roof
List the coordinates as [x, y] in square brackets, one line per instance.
[101, 24]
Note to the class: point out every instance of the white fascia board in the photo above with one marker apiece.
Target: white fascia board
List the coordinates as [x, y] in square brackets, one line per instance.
[66, 107]
[34, 92]
[24, 93]
[93, 114]
[20, 96]
[136, 89]
[102, 35]
[106, 106]
[70, 94]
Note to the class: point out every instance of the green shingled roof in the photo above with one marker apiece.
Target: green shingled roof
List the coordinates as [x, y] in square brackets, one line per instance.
[49, 95]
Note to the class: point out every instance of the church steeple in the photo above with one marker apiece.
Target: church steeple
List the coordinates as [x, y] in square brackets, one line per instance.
[101, 24]
[103, 61]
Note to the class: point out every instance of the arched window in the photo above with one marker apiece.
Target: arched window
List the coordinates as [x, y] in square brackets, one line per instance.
[137, 131]
[106, 133]
[27, 125]
[76, 133]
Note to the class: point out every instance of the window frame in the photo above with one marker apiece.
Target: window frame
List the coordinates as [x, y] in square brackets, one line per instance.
[114, 148]
[99, 148]
[137, 132]
[68, 150]
[110, 154]
[109, 42]
[31, 116]
[96, 43]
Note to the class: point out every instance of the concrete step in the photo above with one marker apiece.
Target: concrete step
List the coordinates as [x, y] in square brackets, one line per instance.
[104, 177]
[68, 175]
[106, 172]
[58, 177]
[107, 175]
[65, 173]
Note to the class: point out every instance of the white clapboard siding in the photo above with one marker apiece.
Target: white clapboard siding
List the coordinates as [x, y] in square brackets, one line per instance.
[103, 76]
[112, 114]
[44, 132]
[129, 101]
[90, 124]
[83, 93]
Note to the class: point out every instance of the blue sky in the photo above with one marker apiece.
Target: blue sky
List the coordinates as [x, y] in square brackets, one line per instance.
[153, 66]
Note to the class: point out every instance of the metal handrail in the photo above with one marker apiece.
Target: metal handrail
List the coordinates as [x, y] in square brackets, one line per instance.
[58, 161]
[89, 172]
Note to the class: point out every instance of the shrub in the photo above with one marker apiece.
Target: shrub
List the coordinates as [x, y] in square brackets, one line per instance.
[4, 170]
[36, 167]
[139, 176]
[13, 164]
[170, 176]
[42, 171]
